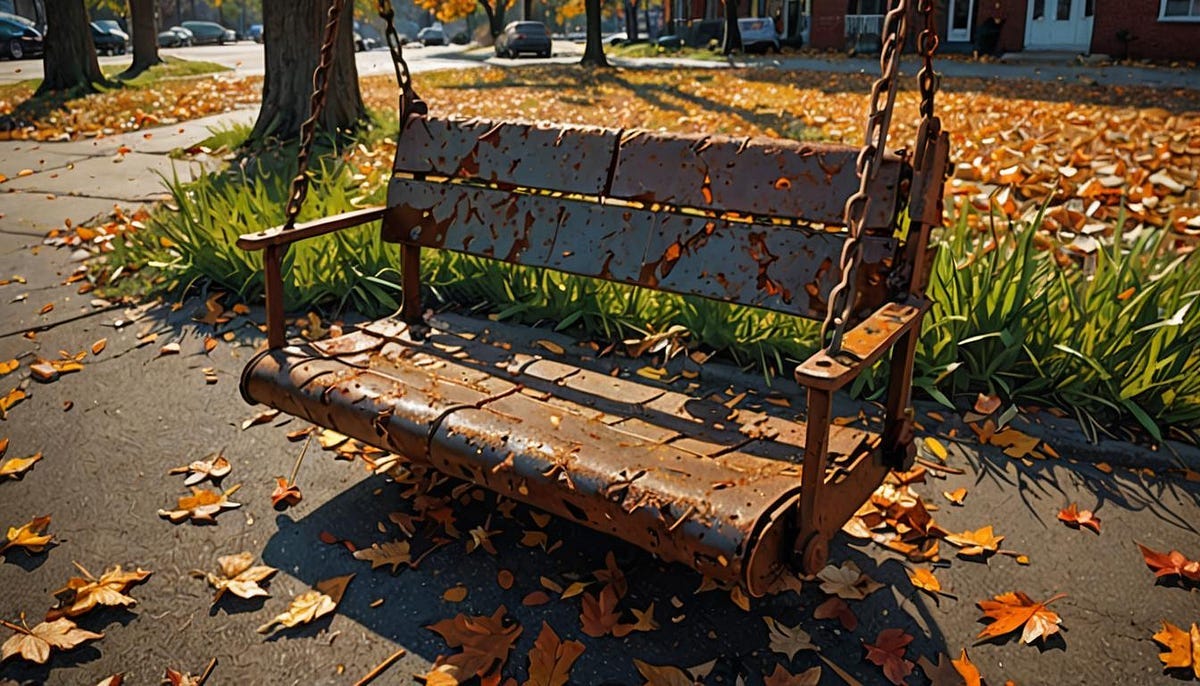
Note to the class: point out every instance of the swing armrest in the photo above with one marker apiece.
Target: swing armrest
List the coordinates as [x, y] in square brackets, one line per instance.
[280, 235]
[862, 346]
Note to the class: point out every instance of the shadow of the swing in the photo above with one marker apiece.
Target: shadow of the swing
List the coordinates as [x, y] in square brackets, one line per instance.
[694, 627]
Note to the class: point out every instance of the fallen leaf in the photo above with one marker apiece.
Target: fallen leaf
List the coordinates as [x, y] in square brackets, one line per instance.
[485, 642]
[310, 605]
[551, 659]
[46, 309]
[836, 608]
[888, 652]
[239, 576]
[782, 677]
[1173, 563]
[16, 467]
[214, 466]
[935, 446]
[925, 580]
[213, 311]
[11, 400]
[31, 536]
[99, 346]
[975, 543]
[169, 349]
[847, 581]
[987, 404]
[505, 579]
[1183, 648]
[664, 675]
[285, 495]
[956, 496]
[550, 346]
[455, 594]
[394, 553]
[260, 418]
[788, 640]
[600, 616]
[535, 599]
[114, 680]
[201, 506]
[9, 366]
[645, 619]
[83, 594]
[1072, 516]
[967, 669]
[1011, 611]
[34, 644]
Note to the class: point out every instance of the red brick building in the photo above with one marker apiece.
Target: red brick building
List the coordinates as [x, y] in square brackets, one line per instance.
[1155, 29]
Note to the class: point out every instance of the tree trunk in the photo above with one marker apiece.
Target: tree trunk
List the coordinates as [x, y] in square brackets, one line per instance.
[631, 21]
[145, 37]
[593, 50]
[495, 16]
[733, 37]
[527, 10]
[70, 60]
[292, 35]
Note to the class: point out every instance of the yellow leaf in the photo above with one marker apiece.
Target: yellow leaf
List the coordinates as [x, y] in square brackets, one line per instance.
[935, 446]
[9, 366]
[925, 580]
[17, 466]
[956, 496]
[29, 536]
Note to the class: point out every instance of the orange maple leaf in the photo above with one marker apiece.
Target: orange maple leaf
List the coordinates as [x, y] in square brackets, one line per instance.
[551, 658]
[1183, 648]
[485, 642]
[1173, 563]
[976, 543]
[1072, 516]
[967, 670]
[599, 615]
[888, 653]
[1012, 610]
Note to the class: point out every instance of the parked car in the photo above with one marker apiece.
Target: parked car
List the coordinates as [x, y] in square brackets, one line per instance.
[523, 37]
[431, 35]
[175, 37]
[209, 33]
[617, 39]
[19, 38]
[113, 26]
[366, 37]
[109, 42]
[255, 33]
[758, 35]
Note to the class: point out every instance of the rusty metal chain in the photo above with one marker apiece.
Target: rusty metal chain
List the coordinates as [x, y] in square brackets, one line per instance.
[308, 130]
[408, 97]
[879, 117]
[927, 45]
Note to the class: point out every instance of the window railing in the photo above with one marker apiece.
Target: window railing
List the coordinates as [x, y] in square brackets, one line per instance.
[864, 24]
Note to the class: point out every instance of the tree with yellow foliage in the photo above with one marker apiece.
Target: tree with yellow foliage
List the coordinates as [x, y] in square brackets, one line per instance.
[449, 10]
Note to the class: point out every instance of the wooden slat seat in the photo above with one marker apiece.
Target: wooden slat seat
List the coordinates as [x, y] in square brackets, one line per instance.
[677, 472]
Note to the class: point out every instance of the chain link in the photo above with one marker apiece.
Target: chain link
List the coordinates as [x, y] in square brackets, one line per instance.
[308, 130]
[879, 117]
[408, 97]
[927, 45]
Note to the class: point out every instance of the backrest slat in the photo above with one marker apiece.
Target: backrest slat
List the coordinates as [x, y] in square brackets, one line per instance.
[762, 176]
[781, 268]
[570, 159]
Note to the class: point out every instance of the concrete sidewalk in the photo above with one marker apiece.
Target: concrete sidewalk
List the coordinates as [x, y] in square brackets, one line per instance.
[111, 432]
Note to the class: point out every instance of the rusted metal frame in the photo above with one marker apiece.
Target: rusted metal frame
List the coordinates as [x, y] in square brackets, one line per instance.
[931, 164]
[811, 547]
[863, 346]
[282, 235]
[410, 282]
[275, 242]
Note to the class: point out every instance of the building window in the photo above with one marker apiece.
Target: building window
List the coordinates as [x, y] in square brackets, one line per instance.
[1180, 10]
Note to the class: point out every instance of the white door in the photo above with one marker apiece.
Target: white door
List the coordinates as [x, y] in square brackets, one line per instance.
[960, 13]
[1059, 25]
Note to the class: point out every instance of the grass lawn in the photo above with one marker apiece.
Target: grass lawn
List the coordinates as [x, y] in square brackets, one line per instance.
[1065, 274]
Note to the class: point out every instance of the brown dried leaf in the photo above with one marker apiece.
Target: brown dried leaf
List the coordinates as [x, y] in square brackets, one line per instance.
[31, 536]
[888, 652]
[35, 644]
[393, 553]
[240, 576]
[16, 467]
[310, 605]
[83, 594]
[551, 659]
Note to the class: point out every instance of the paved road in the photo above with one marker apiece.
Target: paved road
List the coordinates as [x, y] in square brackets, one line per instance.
[247, 58]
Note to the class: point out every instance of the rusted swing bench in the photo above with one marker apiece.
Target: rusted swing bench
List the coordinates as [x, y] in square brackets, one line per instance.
[826, 232]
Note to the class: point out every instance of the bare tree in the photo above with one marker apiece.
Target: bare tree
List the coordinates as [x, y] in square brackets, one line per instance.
[593, 50]
[144, 28]
[292, 35]
[70, 61]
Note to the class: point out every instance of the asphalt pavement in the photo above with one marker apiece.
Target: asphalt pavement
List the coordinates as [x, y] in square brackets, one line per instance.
[110, 433]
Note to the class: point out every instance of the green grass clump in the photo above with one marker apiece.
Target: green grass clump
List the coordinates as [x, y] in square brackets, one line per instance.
[1113, 340]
